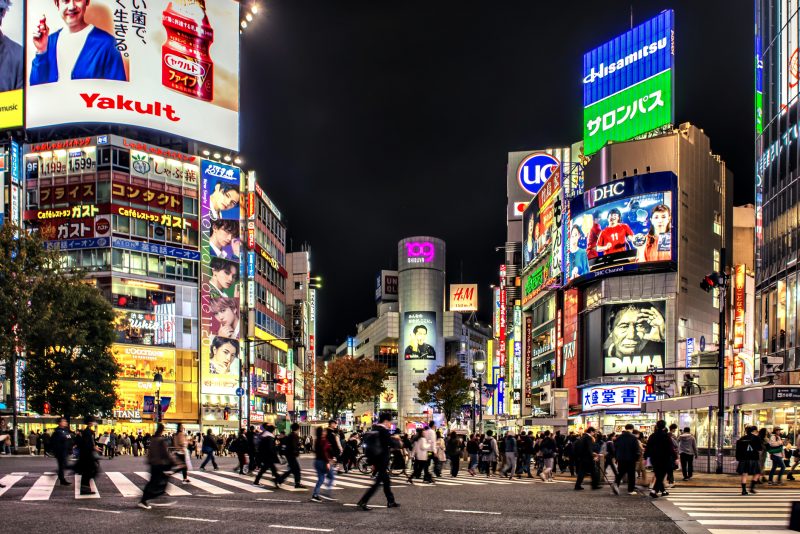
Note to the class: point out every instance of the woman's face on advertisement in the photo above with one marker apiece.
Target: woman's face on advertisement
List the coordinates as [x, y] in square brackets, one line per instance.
[224, 355]
[660, 220]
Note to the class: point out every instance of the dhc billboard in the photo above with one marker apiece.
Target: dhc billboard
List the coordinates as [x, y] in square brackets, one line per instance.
[628, 82]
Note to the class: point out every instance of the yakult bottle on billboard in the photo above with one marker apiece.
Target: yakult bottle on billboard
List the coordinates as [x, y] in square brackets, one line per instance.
[186, 64]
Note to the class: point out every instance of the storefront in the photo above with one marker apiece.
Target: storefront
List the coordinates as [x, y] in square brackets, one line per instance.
[609, 407]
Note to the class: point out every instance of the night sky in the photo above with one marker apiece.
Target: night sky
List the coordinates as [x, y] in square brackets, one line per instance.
[372, 120]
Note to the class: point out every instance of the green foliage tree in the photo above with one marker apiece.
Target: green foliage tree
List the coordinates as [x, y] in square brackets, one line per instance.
[347, 381]
[43, 308]
[445, 390]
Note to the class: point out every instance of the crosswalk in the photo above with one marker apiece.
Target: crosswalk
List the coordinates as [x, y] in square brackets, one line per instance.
[27, 486]
[726, 511]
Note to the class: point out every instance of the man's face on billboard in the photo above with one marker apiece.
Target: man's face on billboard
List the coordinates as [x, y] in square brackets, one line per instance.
[73, 13]
[223, 200]
[420, 334]
[221, 237]
[627, 332]
[224, 278]
[613, 219]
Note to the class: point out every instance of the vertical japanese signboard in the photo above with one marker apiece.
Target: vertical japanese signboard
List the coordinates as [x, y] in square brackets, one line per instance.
[628, 82]
[739, 280]
[220, 285]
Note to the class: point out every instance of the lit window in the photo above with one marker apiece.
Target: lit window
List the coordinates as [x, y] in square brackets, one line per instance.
[717, 223]
[715, 333]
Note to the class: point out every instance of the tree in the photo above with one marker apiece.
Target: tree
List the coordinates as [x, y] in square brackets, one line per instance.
[347, 381]
[445, 390]
[69, 361]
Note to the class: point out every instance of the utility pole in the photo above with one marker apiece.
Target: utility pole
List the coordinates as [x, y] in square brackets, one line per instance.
[721, 363]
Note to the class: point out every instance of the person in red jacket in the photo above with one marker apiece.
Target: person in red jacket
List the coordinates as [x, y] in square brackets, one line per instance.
[613, 238]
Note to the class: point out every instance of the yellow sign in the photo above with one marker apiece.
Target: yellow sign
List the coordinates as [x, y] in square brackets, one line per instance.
[261, 334]
[11, 109]
[143, 362]
[131, 393]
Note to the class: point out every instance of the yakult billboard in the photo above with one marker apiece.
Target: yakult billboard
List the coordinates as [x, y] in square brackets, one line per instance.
[170, 66]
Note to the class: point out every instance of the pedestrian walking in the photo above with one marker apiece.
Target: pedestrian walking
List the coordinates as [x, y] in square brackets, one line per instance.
[673, 436]
[179, 444]
[453, 449]
[775, 448]
[510, 455]
[420, 452]
[547, 448]
[748, 452]
[292, 447]
[473, 450]
[586, 459]
[627, 451]
[441, 455]
[323, 465]
[379, 455]
[687, 449]
[88, 456]
[61, 444]
[210, 447]
[489, 454]
[608, 452]
[160, 461]
[267, 454]
[239, 446]
[661, 453]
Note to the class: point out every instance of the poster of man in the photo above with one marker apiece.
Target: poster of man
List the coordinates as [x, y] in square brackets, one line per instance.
[11, 61]
[419, 335]
[634, 338]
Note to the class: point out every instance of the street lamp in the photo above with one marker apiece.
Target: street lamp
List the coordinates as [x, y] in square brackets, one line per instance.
[157, 380]
[478, 368]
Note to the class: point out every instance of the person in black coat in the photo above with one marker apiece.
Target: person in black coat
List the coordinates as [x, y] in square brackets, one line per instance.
[89, 453]
[61, 446]
[381, 465]
[627, 452]
[267, 454]
[660, 451]
[293, 447]
[585, 459]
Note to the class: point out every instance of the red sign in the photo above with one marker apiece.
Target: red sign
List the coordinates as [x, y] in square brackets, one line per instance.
[59, 145]
[569, 346]
[550, 187]
[251, 238]
[163, 219]
[739, 282]
[67, 229]
[251, 205]
[501, 351]
[102, 226]
[139, 194]
[158, 151]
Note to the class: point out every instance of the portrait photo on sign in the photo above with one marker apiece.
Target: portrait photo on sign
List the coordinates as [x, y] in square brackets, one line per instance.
[225, 317]
[223, 356]
[224, 241]
[223, 198]
[634, 337]
[223, 278]
[419, 335]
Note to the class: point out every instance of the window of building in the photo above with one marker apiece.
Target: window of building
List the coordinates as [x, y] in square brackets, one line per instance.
[715, 266]
[717, 223]
[715, 333]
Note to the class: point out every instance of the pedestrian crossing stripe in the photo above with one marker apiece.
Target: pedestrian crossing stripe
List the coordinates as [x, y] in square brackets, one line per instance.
[172, 490]
[8, 481]
[250, 488]
[728, 507]
[41, 489]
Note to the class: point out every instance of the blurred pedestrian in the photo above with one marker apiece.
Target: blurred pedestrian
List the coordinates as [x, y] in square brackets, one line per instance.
[210, 446]
[88, 456]
[160, 461]
[381, 464]
[662, 455]
[748, 451]
[61, 445]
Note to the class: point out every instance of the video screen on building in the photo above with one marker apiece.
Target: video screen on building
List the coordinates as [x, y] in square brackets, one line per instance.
[541, 228]
[419, 335]
[634, 337]
[624, 225]
[167, 65]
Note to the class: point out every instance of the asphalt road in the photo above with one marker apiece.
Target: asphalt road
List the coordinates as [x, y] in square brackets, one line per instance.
[222, 502]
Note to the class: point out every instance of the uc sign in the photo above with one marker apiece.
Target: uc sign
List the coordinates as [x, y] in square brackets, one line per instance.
[535, 170]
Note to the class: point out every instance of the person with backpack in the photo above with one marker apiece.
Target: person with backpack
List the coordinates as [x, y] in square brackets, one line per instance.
[293, 445]
[748, 451]
[627, 452]
[453, 450]
[776, 456]
[489, 454]
[662, 455]
[378, 447]
[473, 450]
[267, 454]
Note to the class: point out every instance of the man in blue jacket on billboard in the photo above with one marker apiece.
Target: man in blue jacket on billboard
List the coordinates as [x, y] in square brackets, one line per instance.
[81, 52]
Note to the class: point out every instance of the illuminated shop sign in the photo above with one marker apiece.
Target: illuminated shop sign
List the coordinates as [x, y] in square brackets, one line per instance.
[61, 161]
[627, 83]
[634, 339]
[154, 248]
[463, 297]
[739, 279]
[75, 212]
[164, 219]
[271, 205]
[149, 197]
[615, 397]
[537, 280]
[77, 244]
[63, 194]
[420, 251]
[535, 170]
[155, 167]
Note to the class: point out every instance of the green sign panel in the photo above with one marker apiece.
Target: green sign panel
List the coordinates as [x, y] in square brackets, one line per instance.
[633, 111]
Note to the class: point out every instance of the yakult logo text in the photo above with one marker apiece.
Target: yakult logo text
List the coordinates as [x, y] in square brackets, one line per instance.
[420, 251]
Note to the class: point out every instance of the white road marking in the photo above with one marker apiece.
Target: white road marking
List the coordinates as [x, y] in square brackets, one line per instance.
[191, 518]
[758, 531]
[172, 490]
[290, 527]
[8, 481]
[735, 522]
[99, 510]
[205, 486]
[125, 486]
[250, 488]
[472, 512]
[92, 486]
[370, 505]
[41, 489]
[278, 500]
[747, 515]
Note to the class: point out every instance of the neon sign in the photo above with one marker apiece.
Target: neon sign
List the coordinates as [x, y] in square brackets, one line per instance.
[420, 251]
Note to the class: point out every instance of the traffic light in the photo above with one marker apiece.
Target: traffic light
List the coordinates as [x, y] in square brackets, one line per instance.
[226, 413]
[711, 281]
[650, 384]
[46, 408]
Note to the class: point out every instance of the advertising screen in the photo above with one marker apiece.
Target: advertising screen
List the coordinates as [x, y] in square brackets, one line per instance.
[12, 77]
[220, 287]
[627, 83]
[623, 225]
[166, 65]
[634, 337]
[541, 229]
[614, 397]
[419, 335]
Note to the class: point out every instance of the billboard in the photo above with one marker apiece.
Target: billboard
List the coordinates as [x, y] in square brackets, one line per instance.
[624, 225]
[419, 335]
[634, 337]
[542, 228]
[627, 83]
[169, 66]
[615, 397]
[527, 172]
[388, 399]
[464, 297]
[220, 284]
[386, 286]
[12, 77]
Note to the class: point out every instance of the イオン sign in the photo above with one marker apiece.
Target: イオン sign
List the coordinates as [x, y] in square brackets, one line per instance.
[628, 82]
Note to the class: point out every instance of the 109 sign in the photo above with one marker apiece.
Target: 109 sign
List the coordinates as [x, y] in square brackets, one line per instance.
[535, 170]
